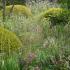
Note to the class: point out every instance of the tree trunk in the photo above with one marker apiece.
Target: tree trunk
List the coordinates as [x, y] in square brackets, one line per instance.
[4, 9]
[11, 10]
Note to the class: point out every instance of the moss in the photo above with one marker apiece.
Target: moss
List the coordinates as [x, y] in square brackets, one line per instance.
[9, 42]
[18, 9]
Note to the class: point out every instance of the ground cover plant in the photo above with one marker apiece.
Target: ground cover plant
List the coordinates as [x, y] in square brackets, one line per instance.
[39, 41]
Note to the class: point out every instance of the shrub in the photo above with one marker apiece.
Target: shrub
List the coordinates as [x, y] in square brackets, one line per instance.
[56, 16]
[18, 9]
[9, 42]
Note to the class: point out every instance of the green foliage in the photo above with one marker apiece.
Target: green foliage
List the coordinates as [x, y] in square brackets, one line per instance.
[28, 31]
[18, 10]
[54, 54]
[56, 16]
[16, 2]
[9, 42]
[53, 58]
[64, 3]
[44, 48]
[9, 63]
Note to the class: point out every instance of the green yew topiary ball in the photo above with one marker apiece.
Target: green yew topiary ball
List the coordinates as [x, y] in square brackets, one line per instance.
[56, 16]
[18, 10]
[9, 42]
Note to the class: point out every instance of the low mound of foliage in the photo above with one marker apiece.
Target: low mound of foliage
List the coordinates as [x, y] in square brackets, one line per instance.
[56, 16]
[9, 42]
[17, 10]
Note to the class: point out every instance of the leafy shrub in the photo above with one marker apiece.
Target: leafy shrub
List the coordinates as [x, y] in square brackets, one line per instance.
[18, 9]
[9, 42]
[57, 16]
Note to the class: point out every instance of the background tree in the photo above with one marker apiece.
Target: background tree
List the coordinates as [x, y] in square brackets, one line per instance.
[22, 2]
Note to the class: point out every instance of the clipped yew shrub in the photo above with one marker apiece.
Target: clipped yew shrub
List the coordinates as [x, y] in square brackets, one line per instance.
[9, 42]
[56, 16]
[17, 10]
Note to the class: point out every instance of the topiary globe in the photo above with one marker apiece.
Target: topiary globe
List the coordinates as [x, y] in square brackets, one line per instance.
[9, 42]
[57, 16]
[18, 10]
